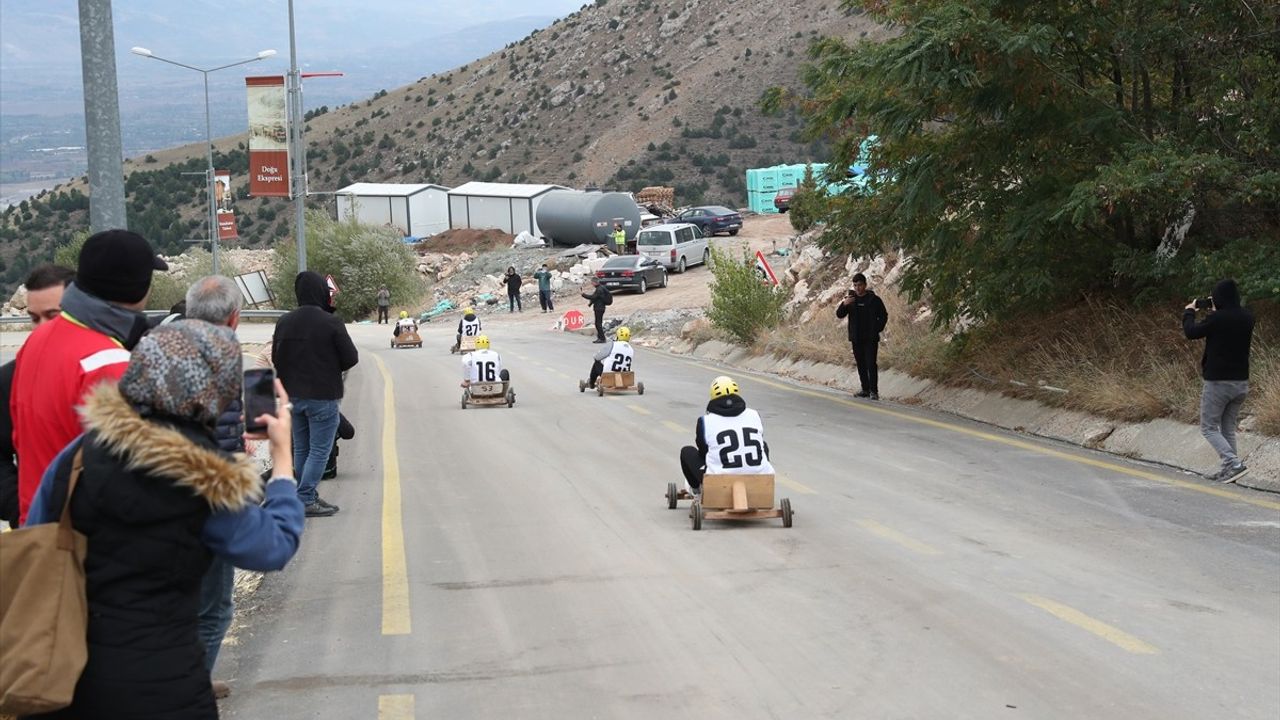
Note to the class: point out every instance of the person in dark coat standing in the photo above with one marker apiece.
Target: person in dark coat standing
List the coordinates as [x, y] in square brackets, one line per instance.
[311, 349]
[598, 298]
[867, 318]
[156, 498]
[1228, 333]
[512, 281]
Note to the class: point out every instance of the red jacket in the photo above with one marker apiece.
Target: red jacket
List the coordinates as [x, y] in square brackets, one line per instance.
[56, 367]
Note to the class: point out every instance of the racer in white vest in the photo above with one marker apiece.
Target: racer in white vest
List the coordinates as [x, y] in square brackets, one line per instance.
[483, 365]
[405, 324]
[469, 325]
[729, 438]
[618, 355]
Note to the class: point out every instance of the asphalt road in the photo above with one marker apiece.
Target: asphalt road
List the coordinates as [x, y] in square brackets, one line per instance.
[522, 563]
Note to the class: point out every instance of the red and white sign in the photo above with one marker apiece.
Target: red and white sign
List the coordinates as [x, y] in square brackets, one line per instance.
[268, 137]
[333, 286]
[764, 271]
[573, 320]
[222, 201]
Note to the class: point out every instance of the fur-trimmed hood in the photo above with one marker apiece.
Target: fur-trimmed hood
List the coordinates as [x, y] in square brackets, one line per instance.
[226, 483]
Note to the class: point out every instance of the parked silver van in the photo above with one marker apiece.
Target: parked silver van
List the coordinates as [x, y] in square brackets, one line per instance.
[675, 245]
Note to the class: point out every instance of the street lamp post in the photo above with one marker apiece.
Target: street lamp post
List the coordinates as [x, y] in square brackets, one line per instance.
[208, 133]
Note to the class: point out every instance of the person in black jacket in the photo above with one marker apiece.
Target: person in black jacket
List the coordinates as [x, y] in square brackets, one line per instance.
[44, 302]
[1228, 332]
[512, 281]
[867, 318]
[598, 298]
[311, 349]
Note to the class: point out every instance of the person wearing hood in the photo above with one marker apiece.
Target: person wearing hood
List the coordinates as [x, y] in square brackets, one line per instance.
[469, 326]
[512, 281]
[867, 318]
[311, 349]
[729, 438]
[88, 343]
[1227, 331]
[156, 499]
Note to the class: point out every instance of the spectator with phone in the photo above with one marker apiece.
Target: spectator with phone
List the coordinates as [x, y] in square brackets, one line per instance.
[156, 498]
[867, 319]
[311, 349]
[1228, 332]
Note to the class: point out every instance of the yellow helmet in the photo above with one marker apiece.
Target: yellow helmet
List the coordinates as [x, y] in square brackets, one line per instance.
[624, 333]
[404, 314]
[482, 343]
[723, 385]
[468, 311]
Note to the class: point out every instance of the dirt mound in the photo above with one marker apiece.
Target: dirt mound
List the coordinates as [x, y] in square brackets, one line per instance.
[468, 240]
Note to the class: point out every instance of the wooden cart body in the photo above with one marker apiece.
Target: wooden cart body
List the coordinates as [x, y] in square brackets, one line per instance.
[614, 382]
[407, 338]
[466, 345]
[488, 394]
[738, 497]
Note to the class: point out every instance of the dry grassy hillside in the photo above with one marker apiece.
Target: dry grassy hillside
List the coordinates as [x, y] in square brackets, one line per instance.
[623, 93]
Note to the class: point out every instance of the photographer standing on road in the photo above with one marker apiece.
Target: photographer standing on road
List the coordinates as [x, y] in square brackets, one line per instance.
[1228, 331]
[867, 318]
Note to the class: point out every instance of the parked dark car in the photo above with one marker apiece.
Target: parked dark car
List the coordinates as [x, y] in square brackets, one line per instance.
[632, 272]
[712, 219]
[782, 201]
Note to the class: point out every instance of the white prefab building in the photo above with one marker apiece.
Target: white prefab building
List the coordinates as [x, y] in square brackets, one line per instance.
[506, 206]
[414, 210]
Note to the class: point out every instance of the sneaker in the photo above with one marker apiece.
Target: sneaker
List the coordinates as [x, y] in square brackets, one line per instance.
[315, 509]
[324, 503]
[875, 395]
[597, 341]
[220, 689]
[863, 394]
[1231, 473]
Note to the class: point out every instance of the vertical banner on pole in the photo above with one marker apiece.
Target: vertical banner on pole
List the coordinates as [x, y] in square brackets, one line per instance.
[268, 137]
[222, 201]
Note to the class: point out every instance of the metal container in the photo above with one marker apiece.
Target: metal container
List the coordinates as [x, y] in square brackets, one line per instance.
[570, 217]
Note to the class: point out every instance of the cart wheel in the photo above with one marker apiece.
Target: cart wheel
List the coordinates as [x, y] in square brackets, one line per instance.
[393, 344]
[511, 398]
[672, 495]
[640, 388]
[464, 400]
[582, 386]
[786, 512]
[695, 515]
[600, 388]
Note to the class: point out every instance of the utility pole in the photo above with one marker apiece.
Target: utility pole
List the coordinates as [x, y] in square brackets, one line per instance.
[297, 151]
[102, 117]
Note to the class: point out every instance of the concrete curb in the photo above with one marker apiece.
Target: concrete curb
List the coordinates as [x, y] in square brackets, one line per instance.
[1166, 442]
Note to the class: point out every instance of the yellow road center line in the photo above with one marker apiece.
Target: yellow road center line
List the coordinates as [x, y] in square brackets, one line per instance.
[395, 571]
[892, 535]
[1013, 442]
[1111, 634]
[792, 484]
[674, 426]
[395, 707]
[641, 410]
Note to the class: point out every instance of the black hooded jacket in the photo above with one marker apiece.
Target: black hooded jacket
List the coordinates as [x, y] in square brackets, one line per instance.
[1227, 331]
[867, 317]
[311, 347]
[727, 406]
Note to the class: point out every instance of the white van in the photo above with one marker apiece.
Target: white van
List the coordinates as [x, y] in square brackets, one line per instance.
[675, 245]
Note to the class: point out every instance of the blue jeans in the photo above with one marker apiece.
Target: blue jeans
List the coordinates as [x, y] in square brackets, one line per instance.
[216, 607]
[315, 424]
[544, 297]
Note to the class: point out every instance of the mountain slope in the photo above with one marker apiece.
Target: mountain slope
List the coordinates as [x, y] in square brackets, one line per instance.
[623, 93]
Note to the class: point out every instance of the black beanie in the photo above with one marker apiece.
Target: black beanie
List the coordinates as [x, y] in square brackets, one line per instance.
[116, 266]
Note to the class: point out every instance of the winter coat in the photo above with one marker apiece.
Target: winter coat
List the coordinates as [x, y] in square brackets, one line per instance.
[311, 348]
[599, 298]
[1228, 332]
[147, 490]
[867, 317]
[512, 281]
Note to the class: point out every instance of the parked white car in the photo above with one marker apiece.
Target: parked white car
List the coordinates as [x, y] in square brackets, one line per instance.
[675, 245]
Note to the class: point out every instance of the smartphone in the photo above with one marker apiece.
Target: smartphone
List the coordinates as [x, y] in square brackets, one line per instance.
[259, 397]
[1204, 303]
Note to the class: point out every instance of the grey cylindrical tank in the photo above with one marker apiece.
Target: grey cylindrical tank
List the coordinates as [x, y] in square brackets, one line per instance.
[569, 217]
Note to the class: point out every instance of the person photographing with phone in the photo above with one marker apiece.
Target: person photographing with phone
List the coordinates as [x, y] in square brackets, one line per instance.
[867, 319]
[1228, 332]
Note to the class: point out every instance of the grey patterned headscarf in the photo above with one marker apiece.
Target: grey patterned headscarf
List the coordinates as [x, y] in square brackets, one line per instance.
[188, 369]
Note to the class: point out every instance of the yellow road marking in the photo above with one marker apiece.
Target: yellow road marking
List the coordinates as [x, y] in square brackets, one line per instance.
[1013, 442]
[641, 410]
[395, 707]
[673, 426]
[892, 535]
[798, 487]
[1111, 634]
[395, 571]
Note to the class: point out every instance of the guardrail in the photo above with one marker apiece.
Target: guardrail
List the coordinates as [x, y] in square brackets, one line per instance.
[244, 315]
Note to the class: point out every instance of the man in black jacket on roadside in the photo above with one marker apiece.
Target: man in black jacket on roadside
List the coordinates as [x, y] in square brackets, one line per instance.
[1228, 332]
[867, 318]
[598, 298]
[311, 349]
